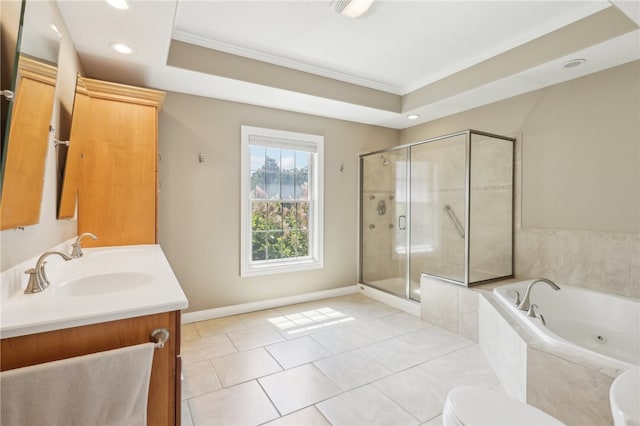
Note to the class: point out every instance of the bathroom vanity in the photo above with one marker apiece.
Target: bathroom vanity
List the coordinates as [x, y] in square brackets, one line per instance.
[110, 298]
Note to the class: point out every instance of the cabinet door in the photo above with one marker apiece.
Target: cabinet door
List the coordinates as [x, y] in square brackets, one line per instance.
[117, 197]
[164, 388]
[26, 153]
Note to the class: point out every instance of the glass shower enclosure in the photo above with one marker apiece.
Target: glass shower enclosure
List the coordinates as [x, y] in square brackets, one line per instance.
[442, 207]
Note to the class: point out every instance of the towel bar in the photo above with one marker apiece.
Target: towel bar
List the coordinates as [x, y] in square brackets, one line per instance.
[159, 336]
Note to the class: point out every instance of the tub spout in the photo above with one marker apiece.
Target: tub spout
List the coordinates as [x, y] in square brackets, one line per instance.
[524, 305]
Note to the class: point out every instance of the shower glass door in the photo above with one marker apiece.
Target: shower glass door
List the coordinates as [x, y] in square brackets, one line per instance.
[384, 221]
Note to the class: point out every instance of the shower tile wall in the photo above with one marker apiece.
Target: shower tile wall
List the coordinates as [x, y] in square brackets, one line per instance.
[604, 261]
[379, 248]
[437, 180]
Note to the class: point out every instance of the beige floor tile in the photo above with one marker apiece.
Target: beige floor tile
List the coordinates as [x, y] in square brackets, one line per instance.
[435, 341]
[199, 378]
[297, 308]
[416, 392]
[255, 337]
[395, 354]
[341, 339]
[243, 366]
[436, 421]
[296, 352]
[466, 367]
[206, 348]
[378, 330]
[352, 369]
[185, 414]
[407, 322]
[373, 310]
[297, 388]
[354, 299]
[259, 318]
[309, 416]
[219, 325]
[244, 404]
[364, 406]
[310, 320]
[188, 332]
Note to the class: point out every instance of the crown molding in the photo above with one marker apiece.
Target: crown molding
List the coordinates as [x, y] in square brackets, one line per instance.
[297, 65]
[122, 92]
[37, 70]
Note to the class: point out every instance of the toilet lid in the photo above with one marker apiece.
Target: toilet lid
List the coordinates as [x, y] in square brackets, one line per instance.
[474, 406]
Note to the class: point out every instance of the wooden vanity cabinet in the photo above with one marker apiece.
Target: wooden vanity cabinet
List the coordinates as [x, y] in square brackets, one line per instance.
[164, 389]
[118, 188]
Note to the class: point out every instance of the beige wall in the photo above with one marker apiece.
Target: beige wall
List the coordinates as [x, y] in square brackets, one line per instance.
[18, 245]
[577, 177]
[199, 203]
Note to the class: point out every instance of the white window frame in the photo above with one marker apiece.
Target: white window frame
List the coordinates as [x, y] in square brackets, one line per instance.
[288, 140]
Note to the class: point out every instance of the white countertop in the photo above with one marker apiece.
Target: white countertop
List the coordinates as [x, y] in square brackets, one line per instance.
[57, 307]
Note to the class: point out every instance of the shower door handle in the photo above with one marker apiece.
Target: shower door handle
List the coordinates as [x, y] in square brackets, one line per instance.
[402, 222]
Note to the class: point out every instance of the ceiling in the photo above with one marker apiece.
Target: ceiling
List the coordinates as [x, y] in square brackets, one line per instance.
[432, 58]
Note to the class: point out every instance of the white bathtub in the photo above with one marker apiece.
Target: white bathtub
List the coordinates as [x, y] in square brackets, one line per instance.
[605, 325]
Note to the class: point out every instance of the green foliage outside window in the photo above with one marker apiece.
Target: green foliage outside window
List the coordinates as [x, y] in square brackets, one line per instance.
[280, 204]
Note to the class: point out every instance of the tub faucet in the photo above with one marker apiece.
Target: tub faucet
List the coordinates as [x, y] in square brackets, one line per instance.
[38, 280]
[532, 313]
[77, 248]
[524, 305]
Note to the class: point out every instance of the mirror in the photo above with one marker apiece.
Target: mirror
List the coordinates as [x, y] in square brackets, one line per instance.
[29, 115]
[72, 164]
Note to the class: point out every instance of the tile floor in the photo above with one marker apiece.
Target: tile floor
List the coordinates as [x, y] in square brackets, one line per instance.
[344, 361]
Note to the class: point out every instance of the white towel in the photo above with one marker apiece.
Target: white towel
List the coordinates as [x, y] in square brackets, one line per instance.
[105, 388]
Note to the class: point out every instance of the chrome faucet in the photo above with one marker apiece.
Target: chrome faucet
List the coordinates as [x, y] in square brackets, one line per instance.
[38, 280]
[524, 305]
[76, 252]
[532, 313]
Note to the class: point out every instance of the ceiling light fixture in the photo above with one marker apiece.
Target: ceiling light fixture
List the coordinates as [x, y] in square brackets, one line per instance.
[574, 63]
[121, 48]
[353, 8]
[413, 116]
[55, 29]
[118, 4]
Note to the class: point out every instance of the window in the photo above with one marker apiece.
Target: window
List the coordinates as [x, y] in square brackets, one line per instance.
[282, 223]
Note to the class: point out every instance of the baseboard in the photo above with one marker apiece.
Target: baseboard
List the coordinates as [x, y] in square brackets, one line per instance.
[408, 306]
[243, 308]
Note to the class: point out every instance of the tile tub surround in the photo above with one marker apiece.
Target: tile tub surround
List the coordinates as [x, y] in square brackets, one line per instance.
[559, 382]
[568, 385]
[602, 261]
[349, 372]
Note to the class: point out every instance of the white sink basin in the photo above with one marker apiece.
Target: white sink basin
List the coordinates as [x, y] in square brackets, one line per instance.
[624, 396]
[108, 282]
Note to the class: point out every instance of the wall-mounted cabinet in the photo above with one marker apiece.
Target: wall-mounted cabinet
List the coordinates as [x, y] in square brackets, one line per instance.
[118, 182]
[27, 144]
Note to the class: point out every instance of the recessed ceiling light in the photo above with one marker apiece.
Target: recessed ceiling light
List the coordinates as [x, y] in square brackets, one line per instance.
[353, 8]
[574, 63]
[121, 48]
[55, 29]
[118, 4]
[413, 116]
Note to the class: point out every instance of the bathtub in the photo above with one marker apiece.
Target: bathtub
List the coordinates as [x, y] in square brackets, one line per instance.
[604, 325]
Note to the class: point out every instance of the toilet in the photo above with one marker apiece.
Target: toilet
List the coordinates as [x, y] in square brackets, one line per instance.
[476, 406]
[624, 396]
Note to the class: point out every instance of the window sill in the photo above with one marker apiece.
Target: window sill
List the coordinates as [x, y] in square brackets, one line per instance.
[280, 268]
